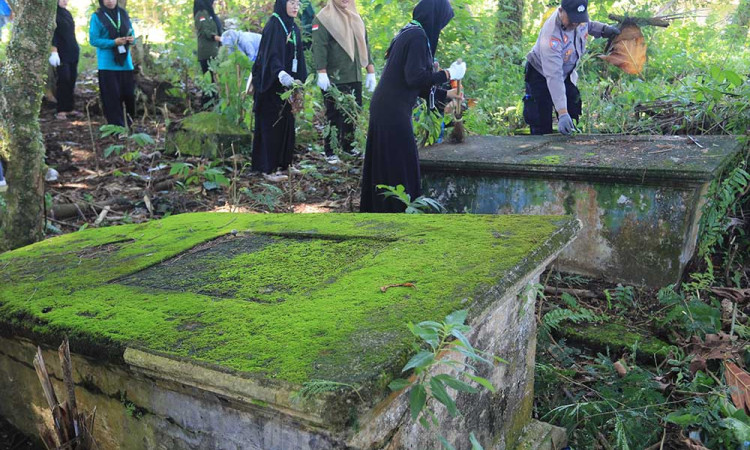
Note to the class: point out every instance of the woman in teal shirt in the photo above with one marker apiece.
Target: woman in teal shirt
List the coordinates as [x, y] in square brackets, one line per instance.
[111, 32]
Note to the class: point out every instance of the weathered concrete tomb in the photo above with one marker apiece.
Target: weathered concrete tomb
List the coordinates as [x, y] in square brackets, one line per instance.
[197, 331]
[207, 134]
[639, 197]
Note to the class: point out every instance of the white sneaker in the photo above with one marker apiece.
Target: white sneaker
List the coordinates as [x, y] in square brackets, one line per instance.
[294, 170]
[275, 177]
[3, 186]
[333, 159]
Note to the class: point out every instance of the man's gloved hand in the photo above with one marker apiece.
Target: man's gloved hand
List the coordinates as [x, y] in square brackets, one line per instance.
[565, 124]
[370, 82]
[54, 59]
[323, 82]
[609, 31]
[285, 79]
[457, 70]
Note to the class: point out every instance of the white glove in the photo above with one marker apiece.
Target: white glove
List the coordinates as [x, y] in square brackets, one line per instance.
[370, 82]
[285, 79]
[457, 70]
[54, 59]
[565, 124]
[323, 82]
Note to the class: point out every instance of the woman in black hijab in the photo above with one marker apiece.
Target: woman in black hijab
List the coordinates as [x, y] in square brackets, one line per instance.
[280, 63]
[64, 57]
[391, 156]
[111, 32]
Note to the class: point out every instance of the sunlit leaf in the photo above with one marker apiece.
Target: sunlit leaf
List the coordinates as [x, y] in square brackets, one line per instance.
[483, 381]
[475, 445]
[417, 399]
[398, 384]
[419, 360]
[628, 50]
[456, 384]
[456, 317]
[438, 391]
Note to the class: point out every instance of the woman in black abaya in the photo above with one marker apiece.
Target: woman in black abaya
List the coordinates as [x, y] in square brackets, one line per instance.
[391, 156]
[279, 64]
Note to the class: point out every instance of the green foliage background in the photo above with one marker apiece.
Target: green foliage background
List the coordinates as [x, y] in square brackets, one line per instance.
[697, 64]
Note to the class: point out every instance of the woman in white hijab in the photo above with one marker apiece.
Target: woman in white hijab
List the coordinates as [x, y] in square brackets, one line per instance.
[340, 51]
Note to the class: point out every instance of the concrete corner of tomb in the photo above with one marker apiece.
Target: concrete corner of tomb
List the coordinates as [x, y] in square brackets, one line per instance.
[639, 198]
[198, 331]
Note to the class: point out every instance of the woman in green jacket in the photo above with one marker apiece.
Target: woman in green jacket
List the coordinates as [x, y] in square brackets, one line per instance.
[340, 51]
[209, 29]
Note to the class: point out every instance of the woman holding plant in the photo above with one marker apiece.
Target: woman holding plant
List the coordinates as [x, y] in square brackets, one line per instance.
[340, 51]
[391, 156]
[279, 66]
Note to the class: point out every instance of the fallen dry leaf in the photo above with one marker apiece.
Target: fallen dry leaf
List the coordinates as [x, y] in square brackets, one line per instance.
[628, 50]
[739, 381]
[733, 294]
[715, 346]
[621, 369]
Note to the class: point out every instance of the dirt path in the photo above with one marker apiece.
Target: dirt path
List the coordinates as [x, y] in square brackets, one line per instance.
[143, 188]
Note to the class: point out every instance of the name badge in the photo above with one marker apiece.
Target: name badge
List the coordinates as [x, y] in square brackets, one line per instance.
[121, 49]
[294, 65]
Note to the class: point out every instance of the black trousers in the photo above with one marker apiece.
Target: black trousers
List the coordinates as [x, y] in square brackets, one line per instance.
[537, 103]
[206, 98]
[204, 65]
[67, 74]
[117, 89]
[336, 117]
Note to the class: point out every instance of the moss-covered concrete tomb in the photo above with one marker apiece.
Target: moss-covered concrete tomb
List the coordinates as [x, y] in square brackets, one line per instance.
[639, 197]
[196, 331]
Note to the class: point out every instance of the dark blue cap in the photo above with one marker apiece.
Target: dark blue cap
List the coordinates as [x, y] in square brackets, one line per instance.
[578, 10]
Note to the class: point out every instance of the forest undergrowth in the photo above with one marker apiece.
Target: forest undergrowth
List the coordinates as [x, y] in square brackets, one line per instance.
[631, 368]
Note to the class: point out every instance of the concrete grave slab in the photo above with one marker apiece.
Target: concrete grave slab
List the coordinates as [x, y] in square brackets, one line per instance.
[207, 134]
[639, 197]
[196, 331]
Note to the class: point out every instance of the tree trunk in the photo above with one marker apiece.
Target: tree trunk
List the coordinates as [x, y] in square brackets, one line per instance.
[741, 22]
[22, 80]
[509, 20]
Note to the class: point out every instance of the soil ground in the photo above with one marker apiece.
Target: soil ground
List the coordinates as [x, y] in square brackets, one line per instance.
[142, 189]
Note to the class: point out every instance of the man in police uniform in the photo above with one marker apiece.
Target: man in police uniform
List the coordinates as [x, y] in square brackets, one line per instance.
[551, 75]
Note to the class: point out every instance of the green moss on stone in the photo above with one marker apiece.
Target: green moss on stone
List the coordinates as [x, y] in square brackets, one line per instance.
[207, 134]
[212, 123]
[615, 336]
[548, 160]
[289, 298]
[519, 420]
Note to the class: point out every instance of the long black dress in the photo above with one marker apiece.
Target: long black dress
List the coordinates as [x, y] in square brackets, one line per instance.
[391, 156]
[64, 39]
[273, 143]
